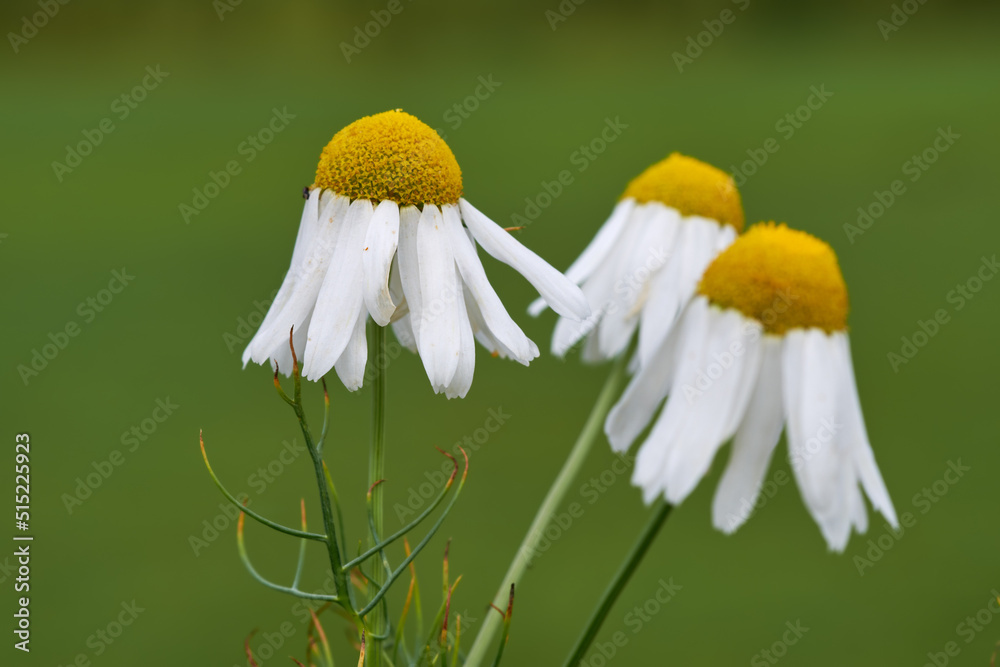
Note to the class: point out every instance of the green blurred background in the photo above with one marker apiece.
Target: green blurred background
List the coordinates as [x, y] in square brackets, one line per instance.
[169, 335]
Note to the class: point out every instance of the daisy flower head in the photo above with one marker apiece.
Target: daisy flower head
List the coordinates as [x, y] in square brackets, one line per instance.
[763, 347]
[645, 261]
[386, 234]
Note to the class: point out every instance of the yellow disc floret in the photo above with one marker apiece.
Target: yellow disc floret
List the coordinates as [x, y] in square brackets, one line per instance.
[784, 278]
[692, 187]
[390, 155]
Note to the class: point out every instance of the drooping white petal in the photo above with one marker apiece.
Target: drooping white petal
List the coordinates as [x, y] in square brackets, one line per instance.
[340, 298]
[439, 339]
[658, 226]
[282, 355]
[637, 405]
[485, 337]
[692, 339]
[308, 227]
[403, 330]
[409, 266]
[494, 316]
[559, 292]
[596, 251]
[462, 381]
[856, 436]
[380, 248]
[697, 244]
[310, 272]
[705, 406]
[351, 364]
[820, 466]
[753, 446]
[599, 290]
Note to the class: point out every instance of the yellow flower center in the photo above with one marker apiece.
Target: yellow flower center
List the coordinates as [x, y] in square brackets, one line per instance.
[692, 187]
[390, 155]
[784, 278]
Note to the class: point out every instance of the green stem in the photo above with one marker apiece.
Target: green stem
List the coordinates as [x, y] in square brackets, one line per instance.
[376, 472]
[614, 589]
[332, 543]
[591, 432]
[333, 547]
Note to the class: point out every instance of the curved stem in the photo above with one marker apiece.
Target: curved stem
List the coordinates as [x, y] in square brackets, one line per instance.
[253, 515]
[376, 470]
[614, 589]
[591, 432]
[405, 530]
[291, 590]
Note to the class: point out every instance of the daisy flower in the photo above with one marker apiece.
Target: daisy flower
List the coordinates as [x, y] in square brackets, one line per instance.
[645, 261]
[762, 347]
[382, 235]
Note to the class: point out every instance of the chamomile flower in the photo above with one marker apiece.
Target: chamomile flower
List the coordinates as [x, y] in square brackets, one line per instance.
[762, 347]
[645, 261]
[382, 235]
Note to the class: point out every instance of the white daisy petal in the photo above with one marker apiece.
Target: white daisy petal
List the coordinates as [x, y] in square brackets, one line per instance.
[649, 386]
[488, 305]
[379, 249]
[809, 376]
[351, 364]
[462, 381]
[559, 292]
[705, 406]
[439, 339]
[485, 337]
[308, 226]
[658, 225]
[340, 297]
[282, 355]
[753, 446]
[693, 337]
[856, 436]
[695, 247]
[403, 330]
[309, 275]
[409, 266]
[596, 251]
[599, 290]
